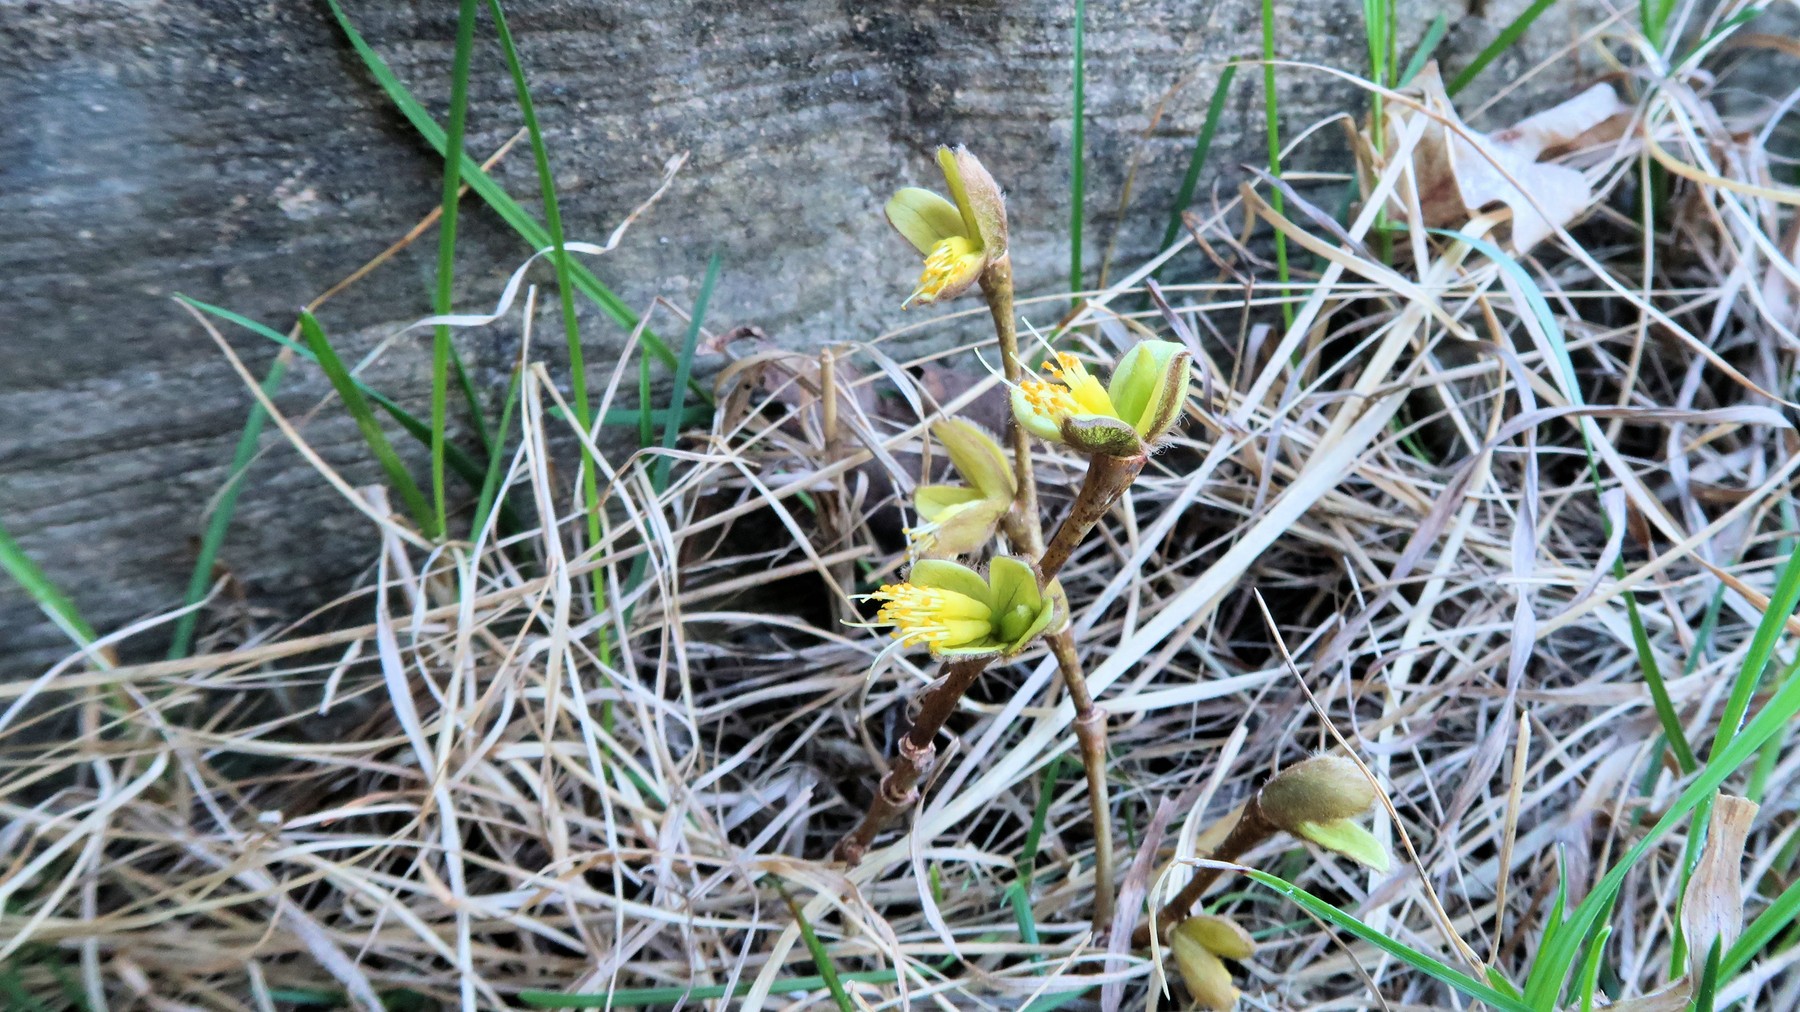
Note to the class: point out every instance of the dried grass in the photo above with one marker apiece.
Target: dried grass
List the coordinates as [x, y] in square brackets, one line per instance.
[460, 798]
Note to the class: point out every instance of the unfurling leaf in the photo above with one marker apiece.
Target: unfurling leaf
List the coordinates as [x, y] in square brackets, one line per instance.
[977, 457]
[1348, 838]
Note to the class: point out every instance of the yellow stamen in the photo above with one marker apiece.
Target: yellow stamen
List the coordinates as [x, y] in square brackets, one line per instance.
[936, 618]
[953, 264]
[1073, 391]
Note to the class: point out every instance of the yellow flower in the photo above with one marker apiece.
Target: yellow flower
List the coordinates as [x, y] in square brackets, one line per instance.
[1200, 944]
[958, 239]
[960, 519]
[1124, 418]
[956, 613]
[1071, 390]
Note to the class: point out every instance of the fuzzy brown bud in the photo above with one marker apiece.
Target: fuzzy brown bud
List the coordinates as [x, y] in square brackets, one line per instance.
[1324, 788]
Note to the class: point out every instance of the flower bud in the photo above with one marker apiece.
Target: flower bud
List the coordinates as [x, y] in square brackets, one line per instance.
[1149, 386]
[1321, 789]
[1198, 944]
[1317, 800]
[978, 457]
[1222, 936]
[974, 189]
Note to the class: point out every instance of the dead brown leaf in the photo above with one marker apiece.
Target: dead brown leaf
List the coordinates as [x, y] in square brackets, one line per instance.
[1459, 170]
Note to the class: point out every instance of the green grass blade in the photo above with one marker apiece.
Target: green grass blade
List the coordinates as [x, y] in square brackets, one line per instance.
[1022, 914]
[217, 525]
[1077, 144]
[1555, 958]
[49, 597]
[1434, 34]
[646, 428]
[12, 988]
[1504, 41]
[1707, 993]
[1034, 834]
[515, 216]
[1590, 971]
[1717, 35]
[659, 472]
[359, 409]
[443, 298]
[1184, 196]
[1554, 923]
[1758, 784]
[1675, 734]
[464, 465]
[633, 418]
[684, 369]
[1654, 15]
[49, 962]
[1782, 602]
[1433, 968]
[820, 955]
[1761, 931]
[490, 484]
[1378, 34]
[559, 258]
[1272, 125]
[1049, 1002]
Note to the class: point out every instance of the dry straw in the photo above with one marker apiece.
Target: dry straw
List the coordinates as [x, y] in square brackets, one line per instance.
[455, 791]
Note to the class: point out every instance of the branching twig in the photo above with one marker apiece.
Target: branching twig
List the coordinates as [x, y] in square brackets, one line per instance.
[1025, 529]
[899, 787]
[1251, 829]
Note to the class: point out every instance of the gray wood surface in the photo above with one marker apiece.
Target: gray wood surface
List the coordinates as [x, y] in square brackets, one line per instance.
[238, 152]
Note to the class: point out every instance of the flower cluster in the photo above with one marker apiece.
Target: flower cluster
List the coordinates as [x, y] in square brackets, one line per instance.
[960, 519]
[954, 611]
[959, 238]
[1125, 418]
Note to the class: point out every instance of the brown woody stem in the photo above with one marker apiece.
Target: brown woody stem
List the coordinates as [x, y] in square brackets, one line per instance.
[1107, 479]
[1252, 828]
[917, 752]
[1090, 731]
[1025, 529]
[997, 285]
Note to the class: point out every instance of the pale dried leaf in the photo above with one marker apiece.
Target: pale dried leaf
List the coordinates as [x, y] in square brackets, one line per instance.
[1459, 170]
[1712, 909]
